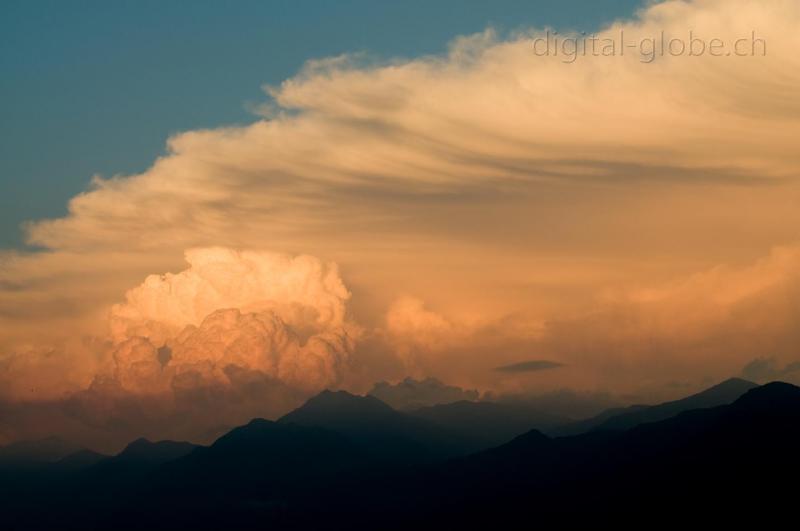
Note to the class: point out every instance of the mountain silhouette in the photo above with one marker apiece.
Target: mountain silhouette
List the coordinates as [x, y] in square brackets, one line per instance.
[48, 450]
[275, 451]
[729, 464]
[145, 452]
[710, 465]
[381, 431]
[27, 465]
[251, 474]
[343, 410]
[263, 455]
[80, 460]
[626, 418]
[487, 424]
[136, 462]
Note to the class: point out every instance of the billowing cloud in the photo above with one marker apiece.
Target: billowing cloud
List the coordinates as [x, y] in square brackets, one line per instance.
[302, 291]
[414, 330]
[634, 221]
[284, 317]
[235, 335]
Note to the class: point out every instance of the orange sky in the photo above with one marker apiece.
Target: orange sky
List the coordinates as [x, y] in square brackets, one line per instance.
[635, 222]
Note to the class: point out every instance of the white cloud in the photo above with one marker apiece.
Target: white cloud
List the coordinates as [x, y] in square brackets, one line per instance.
[281, 316]
[302, 291]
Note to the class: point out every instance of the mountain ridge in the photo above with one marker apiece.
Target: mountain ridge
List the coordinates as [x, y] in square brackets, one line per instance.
[621, 419]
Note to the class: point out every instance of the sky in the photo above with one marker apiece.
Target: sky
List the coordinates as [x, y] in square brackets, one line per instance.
[450, 204]
[94, 87]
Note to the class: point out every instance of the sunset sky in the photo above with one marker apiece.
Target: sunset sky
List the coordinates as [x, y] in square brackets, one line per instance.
[216, 213]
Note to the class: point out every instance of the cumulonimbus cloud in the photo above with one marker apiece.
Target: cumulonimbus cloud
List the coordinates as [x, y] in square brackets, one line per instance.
[303, 291]
[236, 334]
[282, 316]
[568, 209]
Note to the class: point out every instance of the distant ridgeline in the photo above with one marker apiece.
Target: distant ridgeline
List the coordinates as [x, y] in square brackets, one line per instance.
[725, 455]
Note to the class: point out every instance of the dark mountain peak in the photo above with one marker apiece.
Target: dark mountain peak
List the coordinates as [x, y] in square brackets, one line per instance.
[737, 381]
[531, 438]
[266, 453]
[721, 394]
[139, 443]
[145, 450]
[729, 387]
[81, 459]
[725, 392]
[771, 395]
[375, 426]
[341, 405]
[329, 396]
[261, 435]
[530, 446]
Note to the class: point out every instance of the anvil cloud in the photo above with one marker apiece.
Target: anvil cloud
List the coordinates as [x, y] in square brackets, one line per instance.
[634, 222]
